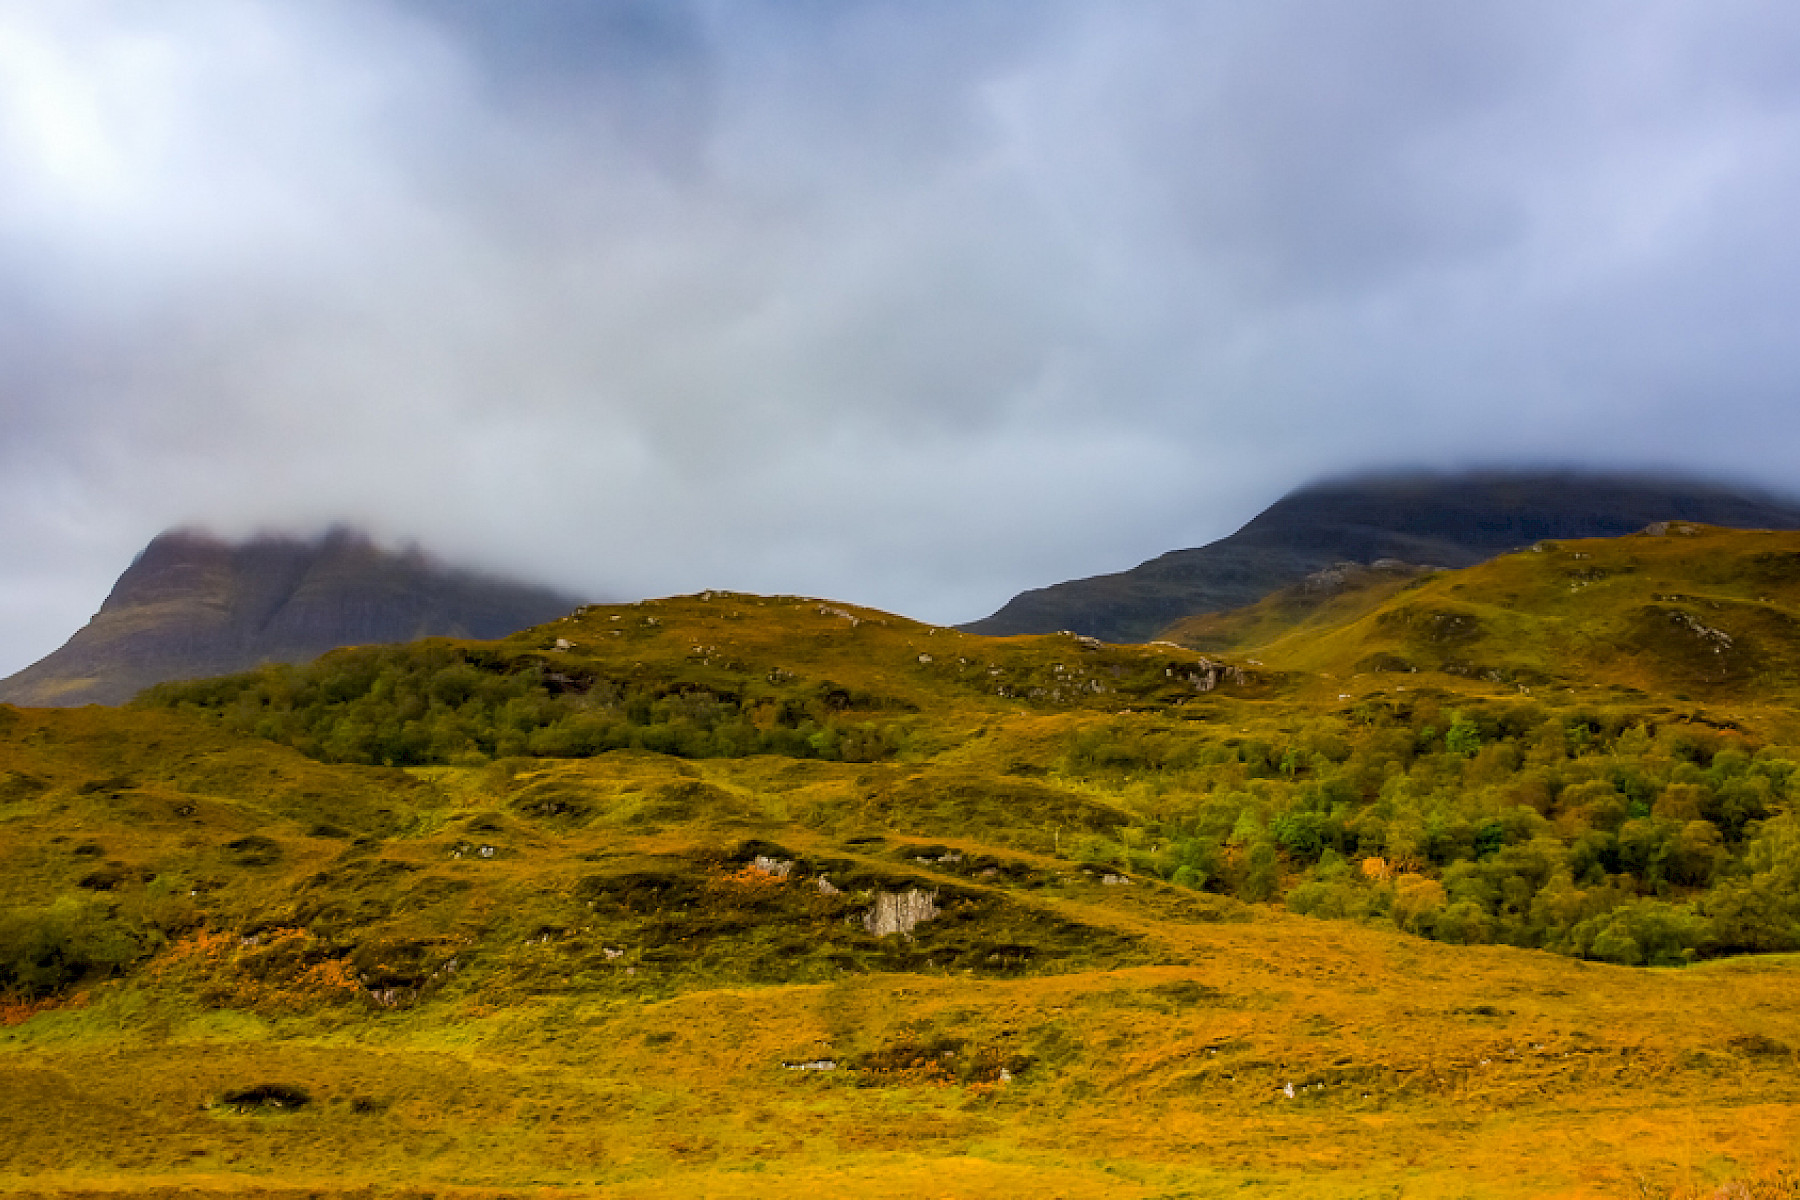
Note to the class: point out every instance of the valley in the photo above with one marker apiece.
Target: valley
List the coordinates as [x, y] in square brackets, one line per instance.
[1461, 883]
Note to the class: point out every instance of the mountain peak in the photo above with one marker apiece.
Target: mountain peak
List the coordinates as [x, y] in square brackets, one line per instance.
[193, 604]
[1454, 520]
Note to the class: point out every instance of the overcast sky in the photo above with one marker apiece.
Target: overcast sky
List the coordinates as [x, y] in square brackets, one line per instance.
[914, 303]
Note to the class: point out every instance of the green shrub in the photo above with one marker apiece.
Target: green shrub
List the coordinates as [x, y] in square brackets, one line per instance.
[1463, 738]
[1262, 873]
[46, 950]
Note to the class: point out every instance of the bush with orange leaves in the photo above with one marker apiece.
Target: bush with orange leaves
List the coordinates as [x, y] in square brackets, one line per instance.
[273, 971]
[18, 1011]
[750, 876]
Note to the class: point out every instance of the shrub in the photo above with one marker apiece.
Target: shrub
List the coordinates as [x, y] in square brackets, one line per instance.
[46, 950]
[1463, 738]
[1301, 835]
[1417, 901]
[1262, 876]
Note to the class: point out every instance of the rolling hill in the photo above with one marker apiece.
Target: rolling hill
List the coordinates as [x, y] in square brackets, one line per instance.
[1679, 609]
[727, 894]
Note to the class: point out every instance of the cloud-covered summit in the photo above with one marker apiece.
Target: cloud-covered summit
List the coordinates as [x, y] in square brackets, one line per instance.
[916, 304]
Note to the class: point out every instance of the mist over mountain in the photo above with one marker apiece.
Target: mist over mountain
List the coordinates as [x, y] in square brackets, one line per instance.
[1440, 520]
[193, 605]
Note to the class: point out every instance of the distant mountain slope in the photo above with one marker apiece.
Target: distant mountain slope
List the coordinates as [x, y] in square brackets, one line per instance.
[192, 605]
[1677, 609]
[1440, 520]
[1326, 599]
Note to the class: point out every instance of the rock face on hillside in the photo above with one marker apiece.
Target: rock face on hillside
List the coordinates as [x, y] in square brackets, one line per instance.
[1451, 521]
[192, 606]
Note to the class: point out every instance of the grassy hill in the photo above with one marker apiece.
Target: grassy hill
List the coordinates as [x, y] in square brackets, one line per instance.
[1683, 611]
[1322, 602]
[727, 894]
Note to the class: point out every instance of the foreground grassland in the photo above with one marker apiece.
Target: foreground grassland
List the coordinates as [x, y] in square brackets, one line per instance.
[1415, 904]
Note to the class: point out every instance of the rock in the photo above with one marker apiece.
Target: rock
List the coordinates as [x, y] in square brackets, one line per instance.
[1330, 579]
[827, 610]
[900, 912]
[826, 888]
[774, 867]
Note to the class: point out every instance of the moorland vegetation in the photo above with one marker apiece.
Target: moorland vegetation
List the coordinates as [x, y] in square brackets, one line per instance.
[683, 896]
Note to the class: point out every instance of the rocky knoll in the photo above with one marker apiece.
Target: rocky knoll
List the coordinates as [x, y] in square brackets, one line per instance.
[192, 605]
[1441, 520]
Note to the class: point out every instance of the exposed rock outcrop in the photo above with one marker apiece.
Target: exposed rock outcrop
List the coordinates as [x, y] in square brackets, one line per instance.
[900, 912]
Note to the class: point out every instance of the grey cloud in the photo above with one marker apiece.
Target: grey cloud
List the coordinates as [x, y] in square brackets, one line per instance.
[917, 304]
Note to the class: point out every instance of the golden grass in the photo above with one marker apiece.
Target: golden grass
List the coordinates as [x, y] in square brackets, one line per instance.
[1641, 612]
[1439, 1070]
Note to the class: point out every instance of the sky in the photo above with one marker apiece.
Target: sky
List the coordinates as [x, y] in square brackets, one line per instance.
[915, 303]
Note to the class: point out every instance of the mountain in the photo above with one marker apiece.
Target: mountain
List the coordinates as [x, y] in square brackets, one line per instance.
[192, 605]
[1437, 520]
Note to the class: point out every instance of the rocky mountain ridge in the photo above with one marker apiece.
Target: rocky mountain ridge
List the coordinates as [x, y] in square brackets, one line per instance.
[193, 605]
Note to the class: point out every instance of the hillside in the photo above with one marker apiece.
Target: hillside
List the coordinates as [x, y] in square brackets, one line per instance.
[1324, 600]
[192, 606]
[728, 894]
[1427, 520]
[1679, 611]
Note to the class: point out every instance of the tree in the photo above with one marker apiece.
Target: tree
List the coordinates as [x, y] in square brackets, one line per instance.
[1262, 875]
[1463, 738]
